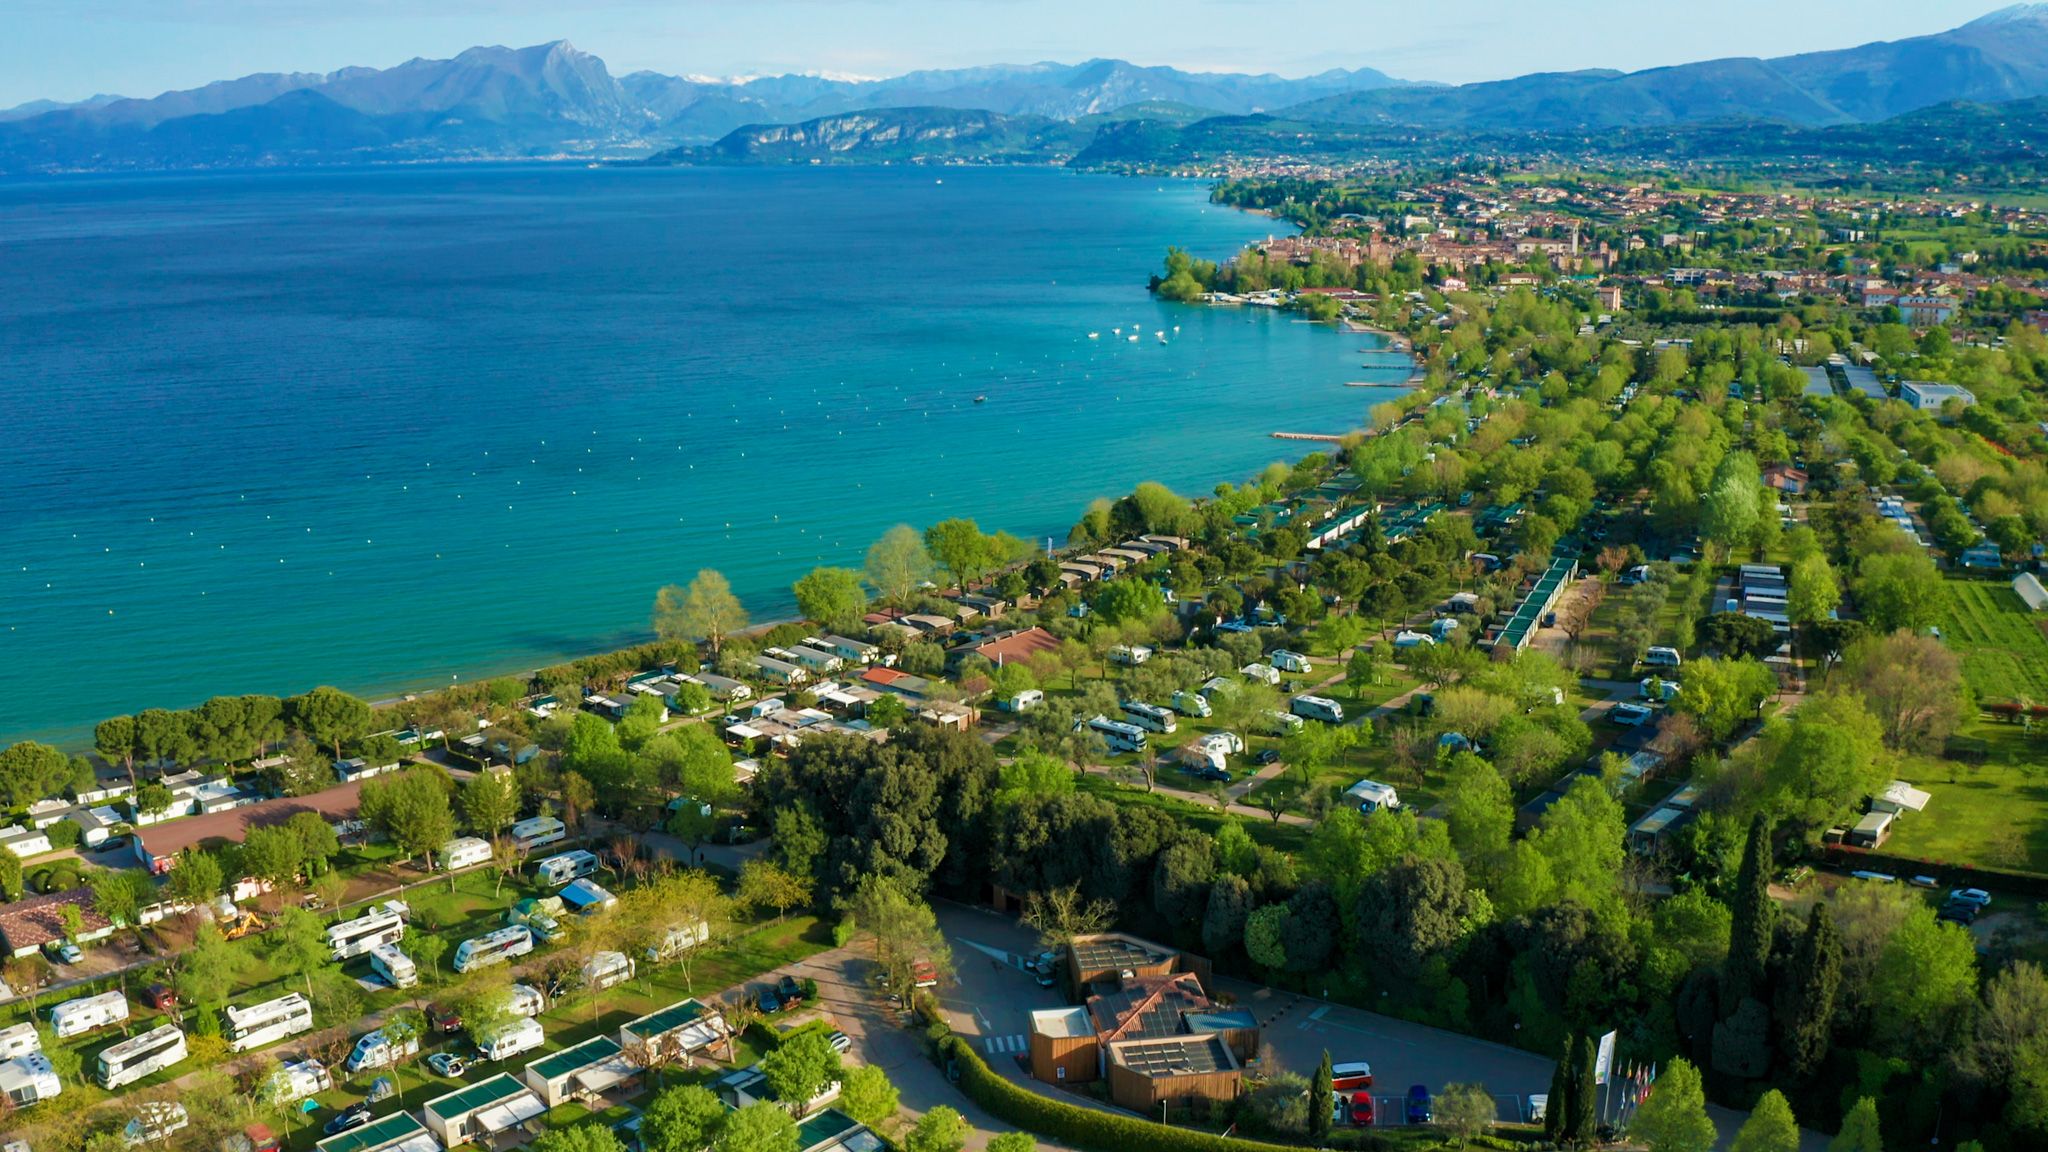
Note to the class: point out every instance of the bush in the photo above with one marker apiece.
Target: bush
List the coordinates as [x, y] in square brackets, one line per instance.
[1072, 1124]
[63, 834]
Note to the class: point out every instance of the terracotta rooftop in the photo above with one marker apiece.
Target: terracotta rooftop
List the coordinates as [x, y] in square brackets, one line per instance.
[36, 921]
[1018, 646]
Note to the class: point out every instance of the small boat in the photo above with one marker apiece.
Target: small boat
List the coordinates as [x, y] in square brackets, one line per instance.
[1116, 331]
[1095, 335]
[981, 399]
[1133, 337]
[1161, 335]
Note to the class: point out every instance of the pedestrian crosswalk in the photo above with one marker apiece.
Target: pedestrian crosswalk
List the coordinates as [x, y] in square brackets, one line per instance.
[1005, 1045]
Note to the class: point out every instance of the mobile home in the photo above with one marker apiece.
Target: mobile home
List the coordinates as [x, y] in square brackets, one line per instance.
[394, 966]
[464, 852]
[538, 832]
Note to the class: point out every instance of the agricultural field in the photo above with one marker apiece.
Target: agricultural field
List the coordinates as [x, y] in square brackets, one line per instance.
[1993, 814]
[2004, 647]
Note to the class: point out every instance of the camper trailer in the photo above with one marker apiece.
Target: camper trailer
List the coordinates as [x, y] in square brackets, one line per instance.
[538, 832]
[1191, 704]
[19, 1040]
[1318, 708]
[556, 871]
[1290, 662]
[77, 1017]
[607, 969]
[464, 852]
[303, 1080]
[508, 1040]
[1371, 796]
[678, 940]
[375, 1050]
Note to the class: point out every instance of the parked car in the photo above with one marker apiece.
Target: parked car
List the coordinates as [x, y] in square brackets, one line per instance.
[769, 1001]
[354, 1117]
[1419, 1109]
[160, 997]
[1269, 756]
[1361, 1109]
[1973, 896]
[443, 1019]
[1219, 775]
[1923, 882]
[64, 952]
[840, 1042]
[789, 989]
[447, 1064]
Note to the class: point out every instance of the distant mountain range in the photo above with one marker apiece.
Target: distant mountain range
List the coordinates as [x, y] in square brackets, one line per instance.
[552, 100]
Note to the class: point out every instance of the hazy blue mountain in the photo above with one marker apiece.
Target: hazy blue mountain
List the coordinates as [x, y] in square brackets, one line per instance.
[895, 134]
[40, 107]
[2002, 57]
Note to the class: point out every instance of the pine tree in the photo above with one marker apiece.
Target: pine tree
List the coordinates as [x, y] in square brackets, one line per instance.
[1583, 1122]
[1806, 1017]
[1860, 1130]
[1770, 1127]
[1559, 1104]
[1320, 1100]
[1749, 937]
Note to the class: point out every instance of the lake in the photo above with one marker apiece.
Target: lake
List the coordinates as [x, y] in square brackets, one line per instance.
[389, 428]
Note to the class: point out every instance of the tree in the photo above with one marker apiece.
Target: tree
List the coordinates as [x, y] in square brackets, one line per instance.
[1674, 1117]
[1465, 1110]
[1926, 977]
[10, 877]
[196, 877]
[1560, 1108]
[1812, 592]
[682, 1119]
[707, 610]
[590, 1136]
[30, 772]
[1861, 1131]
[426, 950]
[831, 596]
[1754, 923]
[866, 1095]
[1897, 589]
[1911, 683]
[762, 884]
[209, 969]
[330, 716]
[1829, 757]
[1724, 694]
[318, 845]
[762, 1126]
[271, 854]
[1807, 1004]
[1060, 914]
[898, 564]
[411, 808]
[404, 1028]
[2010, 1047]
[942, 1129]
[1223, 925]
[801, 1067]
[114, 739]
[1320, 1100]
[1412, 913]
[1315, 746]
[1128, 601]
[1581, 1124]
[298, 944]
[117, 893]
[1770, 1127]
[490, 803]
[1011, 1142]
[961, 549]
[1263, 936]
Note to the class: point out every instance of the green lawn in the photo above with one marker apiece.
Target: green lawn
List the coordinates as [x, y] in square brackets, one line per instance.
[1285, 837]
[2004, 650]
[1993, 814]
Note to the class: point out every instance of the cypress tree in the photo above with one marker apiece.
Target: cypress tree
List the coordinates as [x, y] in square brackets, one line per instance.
[1806, 1022]
[1583, 1123]
[1559, 1105]
[1321, 1100]
[1754, 916]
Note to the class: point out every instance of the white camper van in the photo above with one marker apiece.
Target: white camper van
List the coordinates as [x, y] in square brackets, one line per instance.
[394, 966]
[375, 1050]
[511, 1038]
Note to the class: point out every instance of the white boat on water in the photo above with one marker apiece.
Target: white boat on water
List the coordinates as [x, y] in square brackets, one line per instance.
[1116, 331]
[1133, 337]
[1161, 335]
[1095, 335]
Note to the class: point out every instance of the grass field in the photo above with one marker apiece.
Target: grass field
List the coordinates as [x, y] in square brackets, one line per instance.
[1993, 814]
[2004, 650]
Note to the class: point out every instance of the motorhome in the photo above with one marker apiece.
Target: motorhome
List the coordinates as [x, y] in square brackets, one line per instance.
[138, 1056]
[1265, 673]
[464, 852]
[1659, 657]
[351, 938]
[538, 832]
[1318, 708]
[1116, 735]
[606, 969]
[1191, 704]
[678, 940]
[493, 948]
[1130, 655]
[556, 871]
[1372, 796]
[293, 1082]
[267, 1023]
[1286, 661]
[77, 1017]
[1150, 717]
[27, 1079]
[397, 969]
[525, 1000]
[1280, 723]
[512, 1038]
[375, 1050]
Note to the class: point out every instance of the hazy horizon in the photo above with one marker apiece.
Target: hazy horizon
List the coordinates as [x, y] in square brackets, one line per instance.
[69, 51]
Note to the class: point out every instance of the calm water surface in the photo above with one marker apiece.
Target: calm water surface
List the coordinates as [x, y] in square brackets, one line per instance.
[384, 429]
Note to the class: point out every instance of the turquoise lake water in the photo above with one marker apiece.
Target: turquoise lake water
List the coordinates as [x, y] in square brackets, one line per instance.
[387, 428]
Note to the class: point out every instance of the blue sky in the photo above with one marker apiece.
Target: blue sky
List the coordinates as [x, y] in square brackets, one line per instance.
[69, 49]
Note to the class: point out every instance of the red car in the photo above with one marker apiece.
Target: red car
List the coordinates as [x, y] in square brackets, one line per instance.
[1361, 1109]
[160, 997]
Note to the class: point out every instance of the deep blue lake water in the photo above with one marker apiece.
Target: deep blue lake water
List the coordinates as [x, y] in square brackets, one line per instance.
[386, 428]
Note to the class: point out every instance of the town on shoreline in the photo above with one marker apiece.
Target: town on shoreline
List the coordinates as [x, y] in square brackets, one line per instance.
[1638, 719]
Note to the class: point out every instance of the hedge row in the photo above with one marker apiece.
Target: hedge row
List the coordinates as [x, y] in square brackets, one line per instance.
[1948, 872]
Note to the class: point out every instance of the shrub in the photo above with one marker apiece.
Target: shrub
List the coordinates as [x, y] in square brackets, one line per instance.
[63, 834]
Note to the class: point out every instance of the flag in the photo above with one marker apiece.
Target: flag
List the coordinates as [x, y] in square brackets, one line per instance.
[1604, 1063]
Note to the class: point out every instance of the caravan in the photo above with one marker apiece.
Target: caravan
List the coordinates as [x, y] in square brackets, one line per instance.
[606, 970]
[556, 871]
[292, 1083]
[493, 948]
[384, 924]
[1292, 662]
[538, 832]
[1191, 704]
[510, 1039]
[375, 1050]
[1318, 708]
[1372, 796]
[1150, 717]
[77, 1017]
[394, 966]
[464, 852]
[678, 940]
[19, 1040]
[525, 1000]
[268, 1022]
